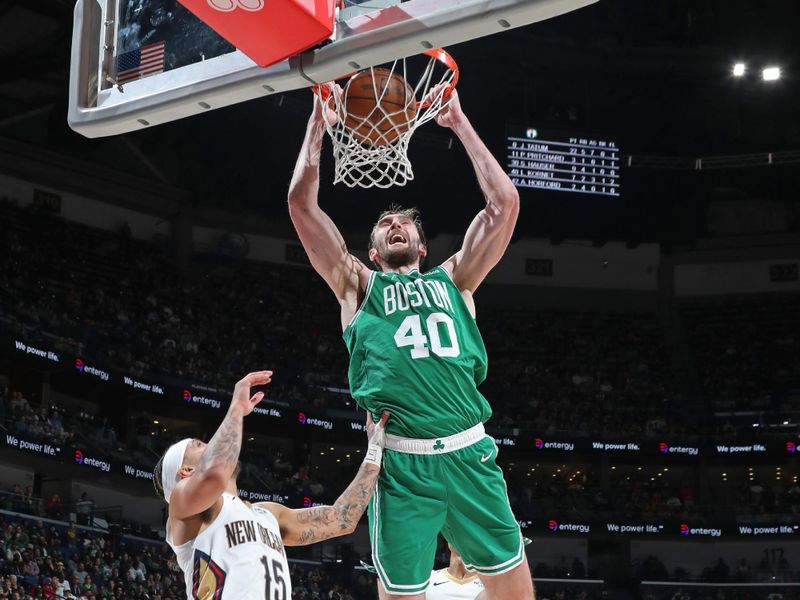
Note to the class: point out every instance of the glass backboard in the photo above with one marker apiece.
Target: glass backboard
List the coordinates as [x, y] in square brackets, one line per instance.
[139, 63]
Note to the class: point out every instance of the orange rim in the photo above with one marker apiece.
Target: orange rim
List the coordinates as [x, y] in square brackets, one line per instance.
[443, 57]
[324, 91]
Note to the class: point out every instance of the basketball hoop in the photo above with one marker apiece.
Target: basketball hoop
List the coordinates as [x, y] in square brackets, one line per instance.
[370, 149]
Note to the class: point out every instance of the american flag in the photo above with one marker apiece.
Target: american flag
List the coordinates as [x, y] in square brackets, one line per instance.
[144, 61]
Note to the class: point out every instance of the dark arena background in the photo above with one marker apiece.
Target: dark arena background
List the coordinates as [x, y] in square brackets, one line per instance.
[643, 331]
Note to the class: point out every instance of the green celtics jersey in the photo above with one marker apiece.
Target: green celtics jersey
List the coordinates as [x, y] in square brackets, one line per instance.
[416, 351]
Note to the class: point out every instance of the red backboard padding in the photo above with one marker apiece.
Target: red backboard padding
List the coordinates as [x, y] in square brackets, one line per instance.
[268, 31]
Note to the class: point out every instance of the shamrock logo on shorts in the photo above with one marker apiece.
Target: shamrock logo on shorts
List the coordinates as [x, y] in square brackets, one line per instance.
[438, 445]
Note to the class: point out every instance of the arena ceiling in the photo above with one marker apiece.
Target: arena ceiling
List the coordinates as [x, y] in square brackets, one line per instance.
[656, 75]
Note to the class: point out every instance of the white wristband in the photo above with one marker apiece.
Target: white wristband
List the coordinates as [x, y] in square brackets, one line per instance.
[374, 455]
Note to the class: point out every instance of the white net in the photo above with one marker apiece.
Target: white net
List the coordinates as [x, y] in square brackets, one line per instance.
[370, 141]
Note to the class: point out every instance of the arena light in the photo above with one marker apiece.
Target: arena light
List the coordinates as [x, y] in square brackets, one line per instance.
[771, 74]
[739, 69]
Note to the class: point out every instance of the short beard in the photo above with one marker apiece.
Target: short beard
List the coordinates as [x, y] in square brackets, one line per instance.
[398, 258]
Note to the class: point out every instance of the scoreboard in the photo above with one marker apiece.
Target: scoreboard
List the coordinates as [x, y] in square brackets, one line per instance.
[563, 161]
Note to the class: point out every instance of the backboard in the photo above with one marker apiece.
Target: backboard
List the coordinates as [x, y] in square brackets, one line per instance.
[190, 69]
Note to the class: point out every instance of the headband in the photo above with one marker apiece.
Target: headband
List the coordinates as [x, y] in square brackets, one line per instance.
[173, 460]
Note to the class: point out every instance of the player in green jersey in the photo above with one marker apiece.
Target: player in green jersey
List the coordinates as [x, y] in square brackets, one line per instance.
[416, 352]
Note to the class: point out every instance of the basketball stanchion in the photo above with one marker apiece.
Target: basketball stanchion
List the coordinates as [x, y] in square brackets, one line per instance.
[377, 112]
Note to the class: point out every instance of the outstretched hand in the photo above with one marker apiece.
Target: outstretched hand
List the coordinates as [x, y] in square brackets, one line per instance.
[242, 399]
[376, 431]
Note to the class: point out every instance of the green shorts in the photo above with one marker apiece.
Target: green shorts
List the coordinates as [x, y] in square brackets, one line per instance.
[460, 493]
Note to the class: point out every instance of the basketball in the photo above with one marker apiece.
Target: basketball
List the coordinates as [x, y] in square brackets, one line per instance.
[380, 105]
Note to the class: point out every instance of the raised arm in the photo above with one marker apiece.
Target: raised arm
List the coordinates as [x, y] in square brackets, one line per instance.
[489, 233]
[321, 239]
[199, 491]
[303, 526]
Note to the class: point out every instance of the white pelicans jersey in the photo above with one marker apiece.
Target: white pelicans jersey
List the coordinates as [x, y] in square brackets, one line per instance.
[240, 556]
[444, 586]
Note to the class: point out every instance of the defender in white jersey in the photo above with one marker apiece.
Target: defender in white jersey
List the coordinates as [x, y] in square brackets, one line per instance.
[229, 549]
[455, 582]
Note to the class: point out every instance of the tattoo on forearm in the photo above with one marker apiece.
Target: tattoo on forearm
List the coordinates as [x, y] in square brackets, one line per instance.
[223, 449]
[323, 522]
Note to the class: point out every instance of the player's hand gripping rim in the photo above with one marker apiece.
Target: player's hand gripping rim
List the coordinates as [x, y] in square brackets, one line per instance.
[330, 96]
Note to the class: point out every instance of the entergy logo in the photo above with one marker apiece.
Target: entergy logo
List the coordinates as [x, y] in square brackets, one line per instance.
[555, 526]
[303, 419]
[195, 399]
[88, 461]
[82, 367]
[665, 448]
[540, 444]
[701, 531]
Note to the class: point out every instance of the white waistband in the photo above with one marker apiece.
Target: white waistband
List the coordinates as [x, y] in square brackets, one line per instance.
[443, 445]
